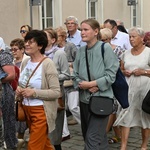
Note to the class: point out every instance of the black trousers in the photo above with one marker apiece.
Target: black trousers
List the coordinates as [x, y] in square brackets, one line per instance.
[93, 129]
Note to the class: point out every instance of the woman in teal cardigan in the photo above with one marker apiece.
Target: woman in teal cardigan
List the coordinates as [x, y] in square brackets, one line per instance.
[103, 74]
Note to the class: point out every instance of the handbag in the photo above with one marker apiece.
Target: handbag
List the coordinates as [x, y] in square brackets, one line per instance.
[146, 103]
[61, 104]
[20, 114]
[99, 105]
[120, 86]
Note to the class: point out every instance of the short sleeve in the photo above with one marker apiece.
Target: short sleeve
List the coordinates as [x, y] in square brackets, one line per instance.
[6, 59]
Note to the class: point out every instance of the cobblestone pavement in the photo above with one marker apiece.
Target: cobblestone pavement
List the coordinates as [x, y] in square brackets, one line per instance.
[76, 141]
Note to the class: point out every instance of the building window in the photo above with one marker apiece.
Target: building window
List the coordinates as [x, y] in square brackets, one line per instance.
[92, 9]
[134, 15]
[47, 13]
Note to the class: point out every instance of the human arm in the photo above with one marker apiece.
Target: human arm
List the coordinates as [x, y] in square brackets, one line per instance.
[61, 62]
[6, 64]
[127, 73]
[109, 69]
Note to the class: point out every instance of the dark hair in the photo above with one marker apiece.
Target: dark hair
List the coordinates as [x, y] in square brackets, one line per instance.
[27, 27]
[106, 21]
[94, 24]
[122, 29]
[18, 42]
[39, 37]
[111, 21]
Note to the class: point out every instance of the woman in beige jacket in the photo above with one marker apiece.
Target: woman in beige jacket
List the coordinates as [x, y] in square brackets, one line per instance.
[40, 96]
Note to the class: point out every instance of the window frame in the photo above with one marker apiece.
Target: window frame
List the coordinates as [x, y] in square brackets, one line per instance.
[44, 12]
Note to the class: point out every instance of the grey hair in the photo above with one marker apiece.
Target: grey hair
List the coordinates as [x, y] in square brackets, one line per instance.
[71, 18]
[139, 31]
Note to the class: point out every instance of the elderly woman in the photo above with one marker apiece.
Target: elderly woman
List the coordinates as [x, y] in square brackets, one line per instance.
[72, 95]
[135, 65]
[17, 49]
[39, 91]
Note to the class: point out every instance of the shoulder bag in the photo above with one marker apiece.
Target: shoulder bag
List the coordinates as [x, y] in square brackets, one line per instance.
[146, 103]
[120, 86]
[99, 105]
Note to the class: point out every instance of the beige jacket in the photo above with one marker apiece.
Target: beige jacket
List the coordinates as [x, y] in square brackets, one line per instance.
[50, 91]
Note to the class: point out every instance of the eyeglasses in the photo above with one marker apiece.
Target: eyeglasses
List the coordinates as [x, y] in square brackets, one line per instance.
[29, 42]
[23, 31]
[70, 23]
[13, 49]
[60, 35]
[112, 28]
[104, 40]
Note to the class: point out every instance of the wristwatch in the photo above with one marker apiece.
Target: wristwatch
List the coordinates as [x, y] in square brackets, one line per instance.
[34, 95]
[145, 72]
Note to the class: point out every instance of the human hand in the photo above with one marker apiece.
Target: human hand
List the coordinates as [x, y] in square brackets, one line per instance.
[84, 85]
[27, 92]
[127, 73]
[18, 91]
[138, 72]
[93, 89]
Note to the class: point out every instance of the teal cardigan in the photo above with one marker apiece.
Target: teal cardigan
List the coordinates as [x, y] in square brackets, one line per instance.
[103, 71]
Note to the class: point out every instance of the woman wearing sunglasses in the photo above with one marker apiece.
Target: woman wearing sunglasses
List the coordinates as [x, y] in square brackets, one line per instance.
[24, 30]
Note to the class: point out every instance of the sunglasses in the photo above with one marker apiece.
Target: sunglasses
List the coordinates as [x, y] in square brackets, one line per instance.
[23, 31]
[104, 40]
[13, 49]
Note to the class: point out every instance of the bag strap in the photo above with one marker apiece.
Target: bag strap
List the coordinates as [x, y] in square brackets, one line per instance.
[35, 70]
[87, 64]
[102, 49]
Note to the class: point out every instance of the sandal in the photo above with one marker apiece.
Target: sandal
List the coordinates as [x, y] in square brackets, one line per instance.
[114, 140]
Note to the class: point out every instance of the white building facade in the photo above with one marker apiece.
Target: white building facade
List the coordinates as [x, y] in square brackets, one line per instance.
[45, 13]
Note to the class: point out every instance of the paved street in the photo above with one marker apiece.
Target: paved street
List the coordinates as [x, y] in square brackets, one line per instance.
[76, 140]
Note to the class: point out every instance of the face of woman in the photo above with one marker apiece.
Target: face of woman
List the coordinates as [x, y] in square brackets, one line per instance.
[61, 38]
[87, 33]
[23, 32]
[135, 39]
[17, 53]
[51, 41]
[31, 47]
[105, 39]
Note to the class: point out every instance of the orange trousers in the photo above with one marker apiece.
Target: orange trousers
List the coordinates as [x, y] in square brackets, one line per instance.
[38, 128]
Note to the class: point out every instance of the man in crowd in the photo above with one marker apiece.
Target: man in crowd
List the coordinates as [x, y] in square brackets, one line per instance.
[119, 38]
[72, 101]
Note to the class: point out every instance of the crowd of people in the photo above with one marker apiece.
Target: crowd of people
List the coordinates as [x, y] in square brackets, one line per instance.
[53, 81]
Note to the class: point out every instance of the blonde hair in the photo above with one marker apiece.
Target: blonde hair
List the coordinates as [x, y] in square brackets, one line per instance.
[106, 33]
[62, 31]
